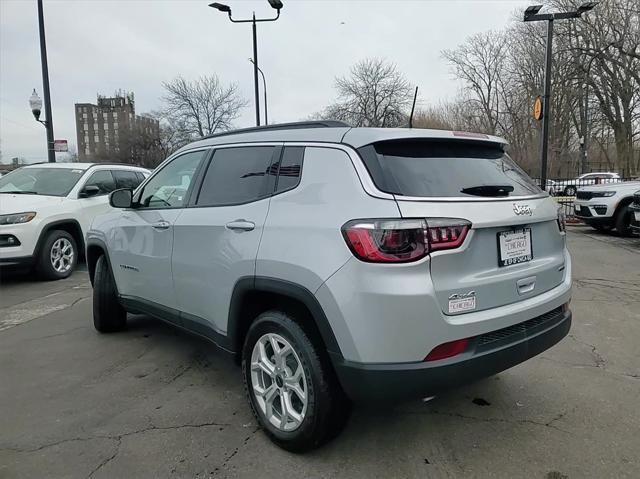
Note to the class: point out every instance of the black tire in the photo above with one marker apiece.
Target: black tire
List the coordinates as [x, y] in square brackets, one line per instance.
[328, 408]
[623, 221]
[44, 264]
[570, 191]
[108, 314]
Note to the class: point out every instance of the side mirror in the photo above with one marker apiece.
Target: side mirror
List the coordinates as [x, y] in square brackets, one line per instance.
[122, 198]
[90, 190]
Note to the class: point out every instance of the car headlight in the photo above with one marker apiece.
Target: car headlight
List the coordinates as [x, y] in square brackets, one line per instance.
[17, 218]
[605, 194]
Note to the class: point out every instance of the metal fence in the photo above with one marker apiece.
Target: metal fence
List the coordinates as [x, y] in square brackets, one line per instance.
[564, 190]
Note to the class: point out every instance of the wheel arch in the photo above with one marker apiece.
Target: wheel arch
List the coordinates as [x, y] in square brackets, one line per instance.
[253, 296]
[71, 226]
[622, 203]
[95, 249]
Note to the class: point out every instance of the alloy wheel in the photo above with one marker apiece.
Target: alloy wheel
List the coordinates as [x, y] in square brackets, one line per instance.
[279, 382]
[62, 255]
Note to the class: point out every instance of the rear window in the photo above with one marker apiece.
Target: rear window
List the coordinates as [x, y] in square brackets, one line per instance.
[445, 169]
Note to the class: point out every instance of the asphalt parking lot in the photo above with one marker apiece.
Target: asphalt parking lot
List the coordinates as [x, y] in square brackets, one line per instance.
[155, 402]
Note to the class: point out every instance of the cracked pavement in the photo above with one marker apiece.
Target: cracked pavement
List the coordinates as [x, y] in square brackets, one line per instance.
[155, 402]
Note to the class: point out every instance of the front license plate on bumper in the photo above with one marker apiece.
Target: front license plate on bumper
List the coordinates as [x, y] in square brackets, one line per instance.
[514, 246]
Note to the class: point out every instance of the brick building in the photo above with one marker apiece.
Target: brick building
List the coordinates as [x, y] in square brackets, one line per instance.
[108, 131]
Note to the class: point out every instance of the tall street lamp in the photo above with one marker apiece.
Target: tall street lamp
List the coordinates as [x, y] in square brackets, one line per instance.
[264, 88]
[34, 101]
[277, 5]
[532, 14]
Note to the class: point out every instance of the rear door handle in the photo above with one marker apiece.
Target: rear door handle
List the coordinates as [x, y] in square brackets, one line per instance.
[161, 225]
[241, 225]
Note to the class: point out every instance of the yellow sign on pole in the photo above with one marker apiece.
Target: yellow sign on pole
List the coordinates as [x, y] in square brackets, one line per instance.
[537, 109]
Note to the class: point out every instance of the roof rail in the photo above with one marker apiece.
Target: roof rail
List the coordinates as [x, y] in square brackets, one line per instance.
[285, 126]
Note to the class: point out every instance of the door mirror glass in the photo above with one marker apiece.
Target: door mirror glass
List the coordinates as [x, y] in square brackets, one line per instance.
[121, 198]
[89, 190]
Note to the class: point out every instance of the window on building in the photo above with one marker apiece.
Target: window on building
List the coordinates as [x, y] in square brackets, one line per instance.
[95, 126]
[96, 138]
[86, 138]
[87, 150]
[84, 115]
[236, 175]
[86, 126]
[106, 125]
[105, 115]
[115, 114]
[103, 180]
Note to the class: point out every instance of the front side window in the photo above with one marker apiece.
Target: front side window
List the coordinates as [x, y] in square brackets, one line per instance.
[169, 187]
[41, 181]
[103, 180]
[237, 175]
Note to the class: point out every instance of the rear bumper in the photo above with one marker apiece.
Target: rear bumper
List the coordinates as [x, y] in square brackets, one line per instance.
[487, 355]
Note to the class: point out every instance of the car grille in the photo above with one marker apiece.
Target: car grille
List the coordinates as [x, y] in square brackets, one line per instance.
[584, 195]
[584, 211]
[520, 330]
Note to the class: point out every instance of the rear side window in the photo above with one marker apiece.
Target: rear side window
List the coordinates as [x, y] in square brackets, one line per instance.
[427, 168]
[126, 179]
[289, 168]
[237, 175]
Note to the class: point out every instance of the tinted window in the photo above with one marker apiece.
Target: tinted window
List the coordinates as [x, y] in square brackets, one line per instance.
[126, 179]
[103, 180]
[290, 168]
[169, 187]
[444, 169]
[237, 175]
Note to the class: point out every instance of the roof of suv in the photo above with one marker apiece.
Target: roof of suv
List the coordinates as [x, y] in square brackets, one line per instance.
[333, 132]
[79, 166]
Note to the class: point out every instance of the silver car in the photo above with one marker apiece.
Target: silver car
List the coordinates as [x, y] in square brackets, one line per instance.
[340, 265]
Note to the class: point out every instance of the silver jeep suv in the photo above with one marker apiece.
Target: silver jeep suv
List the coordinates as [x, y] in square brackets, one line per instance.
[340, 264]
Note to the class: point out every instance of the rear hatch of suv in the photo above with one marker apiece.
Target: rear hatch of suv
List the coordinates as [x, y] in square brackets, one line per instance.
[514, 240]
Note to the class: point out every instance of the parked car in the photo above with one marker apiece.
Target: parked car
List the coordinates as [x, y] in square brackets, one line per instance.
[340, 264]
[46, 209]
[635, 208]
[570, 187]
[605, 207]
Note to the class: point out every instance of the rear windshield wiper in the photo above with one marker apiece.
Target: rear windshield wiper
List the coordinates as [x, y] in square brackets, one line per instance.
[20, 192]
[488, 190]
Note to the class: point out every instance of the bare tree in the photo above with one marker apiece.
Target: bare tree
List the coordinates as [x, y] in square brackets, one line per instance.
[203, 106]
[479, 63]
[375, 94]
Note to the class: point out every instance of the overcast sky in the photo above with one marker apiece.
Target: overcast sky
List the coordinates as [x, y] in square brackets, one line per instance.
[99, 46]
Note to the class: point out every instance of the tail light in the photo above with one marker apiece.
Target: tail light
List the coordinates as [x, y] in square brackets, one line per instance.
[403, 240]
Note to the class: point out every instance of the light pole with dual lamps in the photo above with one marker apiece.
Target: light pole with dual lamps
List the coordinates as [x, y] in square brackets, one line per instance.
[264, 88]
[277, 5]
[531, 14]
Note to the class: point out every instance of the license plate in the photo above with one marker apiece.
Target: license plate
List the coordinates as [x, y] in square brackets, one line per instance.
[514, 246]
[462, 304]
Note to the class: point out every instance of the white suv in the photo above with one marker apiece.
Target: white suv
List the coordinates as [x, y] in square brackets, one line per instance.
[46, 209]
[607, 206]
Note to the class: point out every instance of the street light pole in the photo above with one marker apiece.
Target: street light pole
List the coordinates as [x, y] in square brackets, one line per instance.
[277, 5]
[51, 154]
[531, 15]
[264, 88]
[255, 70]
